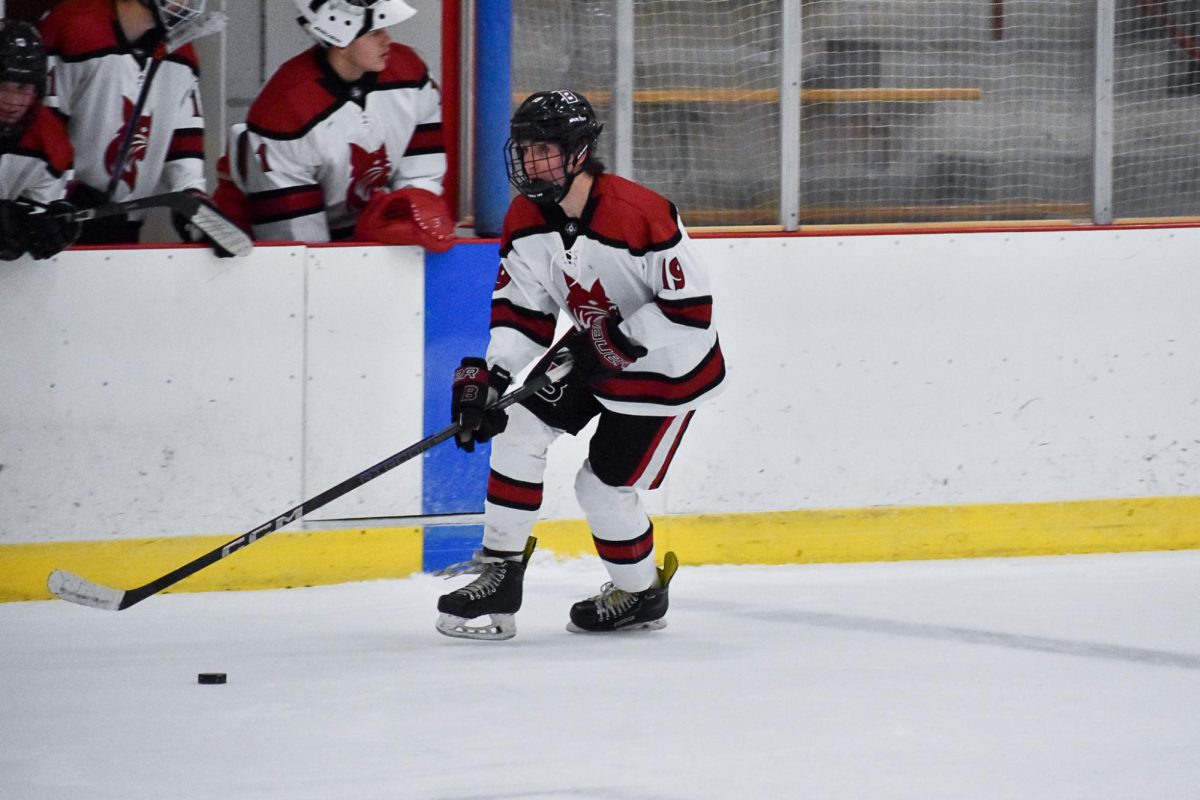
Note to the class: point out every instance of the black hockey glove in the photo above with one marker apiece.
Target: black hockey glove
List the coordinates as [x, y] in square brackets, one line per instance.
[191, 234]
[53, 230]
[474, 388]
[12, 230]
[602, 349]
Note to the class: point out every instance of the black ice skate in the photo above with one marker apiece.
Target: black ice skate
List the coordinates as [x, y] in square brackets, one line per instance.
[617, 610]
[496, 592]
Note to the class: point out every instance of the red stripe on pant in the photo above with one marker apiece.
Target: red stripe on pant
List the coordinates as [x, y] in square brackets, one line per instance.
[662, 473]
[650, 451]
[628, 552]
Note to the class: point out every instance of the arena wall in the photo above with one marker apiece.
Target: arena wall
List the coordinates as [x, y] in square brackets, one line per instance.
[889, 396]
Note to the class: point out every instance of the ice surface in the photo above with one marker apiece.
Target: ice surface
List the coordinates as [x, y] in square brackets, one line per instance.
[1062, 677]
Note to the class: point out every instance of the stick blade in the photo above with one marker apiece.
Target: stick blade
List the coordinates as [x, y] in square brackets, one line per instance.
[74, 589]
[222, 231]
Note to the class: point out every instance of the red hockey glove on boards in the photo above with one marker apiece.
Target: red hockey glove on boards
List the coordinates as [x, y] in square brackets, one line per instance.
[602, 349]
[474, 388]
[407, 216]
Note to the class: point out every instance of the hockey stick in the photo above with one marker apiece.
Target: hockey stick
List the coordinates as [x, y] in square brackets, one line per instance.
[208, 220]
[73, 588]
[145, 77]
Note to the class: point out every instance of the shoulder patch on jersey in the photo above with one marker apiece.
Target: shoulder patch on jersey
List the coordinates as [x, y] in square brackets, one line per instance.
[524, 218]
[293, 100]
[187, 56]
[404, 67]
[78, 28]
[630, 216]
[46, 139]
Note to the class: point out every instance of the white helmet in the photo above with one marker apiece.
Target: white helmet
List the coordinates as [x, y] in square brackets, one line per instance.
[340, 22]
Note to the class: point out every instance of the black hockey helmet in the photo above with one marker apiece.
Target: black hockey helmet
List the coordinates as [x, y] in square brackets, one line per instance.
[23, 61]
[560, 117]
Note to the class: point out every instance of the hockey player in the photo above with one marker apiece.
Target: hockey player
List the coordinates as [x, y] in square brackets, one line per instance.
[103, 53]
[615, 257]
[35, 154]
[345, 141]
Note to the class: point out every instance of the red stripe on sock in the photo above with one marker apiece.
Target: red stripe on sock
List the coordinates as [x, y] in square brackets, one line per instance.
[508, 491]
[629, 552]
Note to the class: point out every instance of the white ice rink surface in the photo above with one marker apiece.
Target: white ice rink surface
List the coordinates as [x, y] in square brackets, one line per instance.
[1062, 677]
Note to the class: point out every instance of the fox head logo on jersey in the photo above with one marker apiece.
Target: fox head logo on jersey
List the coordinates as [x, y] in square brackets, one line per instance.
[137, 147]
[368, 173]
[587, 304]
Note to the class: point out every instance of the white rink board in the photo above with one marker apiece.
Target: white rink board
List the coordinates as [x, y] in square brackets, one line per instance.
[864, 371]
[149, 392]
[951, 368]
[366, 319]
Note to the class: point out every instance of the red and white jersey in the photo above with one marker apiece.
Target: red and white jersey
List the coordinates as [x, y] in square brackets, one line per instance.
[37, 165]
[316, 147]
[96, 76]
[627, 253]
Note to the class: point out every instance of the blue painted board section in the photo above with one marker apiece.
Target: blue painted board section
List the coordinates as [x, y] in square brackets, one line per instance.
[458, 297]
[493, 107]
[449, 544]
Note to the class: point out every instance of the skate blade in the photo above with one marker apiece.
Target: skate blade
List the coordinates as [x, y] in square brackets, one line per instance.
[652, 625]
[503, 626]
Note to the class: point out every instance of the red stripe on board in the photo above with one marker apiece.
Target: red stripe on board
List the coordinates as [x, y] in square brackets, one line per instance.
[451, 46]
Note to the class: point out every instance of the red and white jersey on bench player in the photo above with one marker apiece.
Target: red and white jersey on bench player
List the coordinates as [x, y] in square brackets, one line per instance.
[94, 86]
[316, 147]
[38, 165]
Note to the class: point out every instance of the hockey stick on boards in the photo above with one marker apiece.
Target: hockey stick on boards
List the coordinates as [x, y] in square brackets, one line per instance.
[71, 587]
[207, 219]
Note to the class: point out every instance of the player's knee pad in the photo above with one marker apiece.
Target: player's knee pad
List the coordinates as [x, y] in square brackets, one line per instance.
[520, 452]
[613, 512]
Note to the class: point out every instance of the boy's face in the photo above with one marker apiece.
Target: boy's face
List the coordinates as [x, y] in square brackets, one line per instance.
[15, 101]
[543, 161]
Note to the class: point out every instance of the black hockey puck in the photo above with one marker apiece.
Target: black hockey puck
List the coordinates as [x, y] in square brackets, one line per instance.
[210, 677]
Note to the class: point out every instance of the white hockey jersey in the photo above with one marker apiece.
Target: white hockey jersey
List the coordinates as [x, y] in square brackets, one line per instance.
[37, 165]
[95, 79]
[316, 147]
[628, 253]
